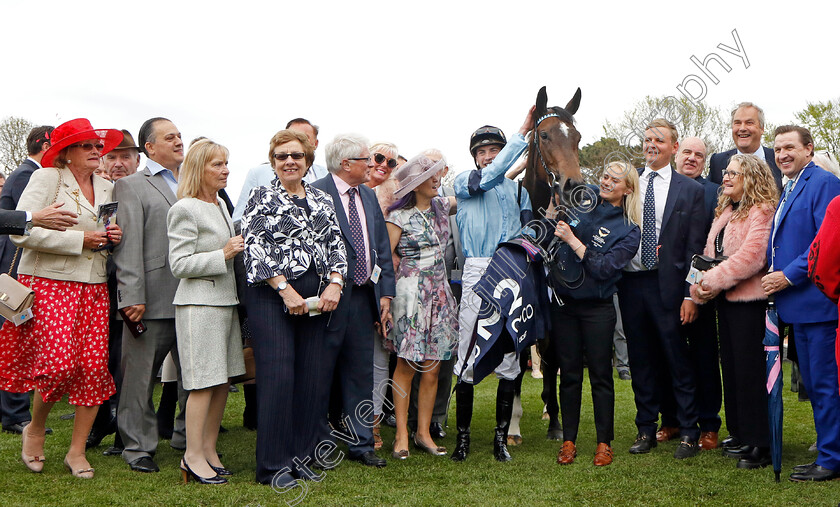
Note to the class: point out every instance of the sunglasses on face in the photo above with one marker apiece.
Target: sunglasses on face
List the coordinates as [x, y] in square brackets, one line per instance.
[88, 146]
[296, 155]
[379, 158]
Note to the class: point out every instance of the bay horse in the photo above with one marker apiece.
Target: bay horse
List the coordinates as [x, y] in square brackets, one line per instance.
[552, 174]
[552, 168]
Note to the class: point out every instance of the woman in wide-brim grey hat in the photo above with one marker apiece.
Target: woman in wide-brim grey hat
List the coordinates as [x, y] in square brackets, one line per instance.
[425, 314]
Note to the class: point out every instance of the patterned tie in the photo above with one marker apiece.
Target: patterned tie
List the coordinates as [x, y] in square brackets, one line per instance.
[649, 226]
[357, 239]
[785, 196]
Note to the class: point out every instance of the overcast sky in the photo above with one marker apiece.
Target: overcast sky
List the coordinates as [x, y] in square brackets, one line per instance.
[418, 74]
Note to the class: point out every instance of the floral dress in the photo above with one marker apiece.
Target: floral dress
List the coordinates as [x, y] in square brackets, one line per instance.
[424, 310]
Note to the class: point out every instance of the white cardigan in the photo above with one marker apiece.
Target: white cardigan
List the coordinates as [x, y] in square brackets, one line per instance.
[198, 232]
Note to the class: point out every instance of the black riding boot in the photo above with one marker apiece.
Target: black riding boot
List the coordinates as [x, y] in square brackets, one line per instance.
[504, 409]
[463, 415]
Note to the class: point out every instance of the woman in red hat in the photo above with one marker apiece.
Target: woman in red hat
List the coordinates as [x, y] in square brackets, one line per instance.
[63, 350]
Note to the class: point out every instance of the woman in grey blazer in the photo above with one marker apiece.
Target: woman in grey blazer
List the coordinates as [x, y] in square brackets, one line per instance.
[202, 245]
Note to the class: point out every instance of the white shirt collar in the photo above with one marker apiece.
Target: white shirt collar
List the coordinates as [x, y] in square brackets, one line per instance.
[34, 162]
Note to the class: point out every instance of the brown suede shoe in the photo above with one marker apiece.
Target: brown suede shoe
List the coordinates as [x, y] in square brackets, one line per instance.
[708, 440]
[567, 453]
[603, 455]
[666, 433]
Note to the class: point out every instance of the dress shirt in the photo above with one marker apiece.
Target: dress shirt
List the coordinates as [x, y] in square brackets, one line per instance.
[661, 185]
[342, 187]
[491, 215]
[262, 176]
[168, 176]
[34, 162]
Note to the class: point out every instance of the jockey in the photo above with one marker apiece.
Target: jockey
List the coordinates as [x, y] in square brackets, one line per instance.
[490, 210]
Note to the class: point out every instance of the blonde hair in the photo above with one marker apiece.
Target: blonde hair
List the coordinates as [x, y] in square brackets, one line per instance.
[631, 203]
[192, 170]
[759, 187]
[385, 149]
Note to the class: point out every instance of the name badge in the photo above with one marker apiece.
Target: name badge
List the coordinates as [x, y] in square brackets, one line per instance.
[694, 276]
[374, 275]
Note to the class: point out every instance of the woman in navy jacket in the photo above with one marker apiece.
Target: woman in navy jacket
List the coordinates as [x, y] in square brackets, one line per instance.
[604, 240]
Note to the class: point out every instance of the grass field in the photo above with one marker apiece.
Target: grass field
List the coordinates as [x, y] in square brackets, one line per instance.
[532, 478]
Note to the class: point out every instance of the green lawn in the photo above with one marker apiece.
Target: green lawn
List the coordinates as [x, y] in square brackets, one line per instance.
[532, 478]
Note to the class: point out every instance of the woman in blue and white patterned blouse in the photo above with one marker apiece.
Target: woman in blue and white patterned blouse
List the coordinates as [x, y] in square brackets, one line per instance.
[293, 251]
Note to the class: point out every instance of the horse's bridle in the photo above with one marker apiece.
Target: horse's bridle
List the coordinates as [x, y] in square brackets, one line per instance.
[552, 177]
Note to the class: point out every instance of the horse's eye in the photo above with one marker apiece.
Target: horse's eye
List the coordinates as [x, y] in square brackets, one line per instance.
[543, 135]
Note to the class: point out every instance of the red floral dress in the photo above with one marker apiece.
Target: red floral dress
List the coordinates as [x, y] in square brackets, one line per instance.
[64, 348]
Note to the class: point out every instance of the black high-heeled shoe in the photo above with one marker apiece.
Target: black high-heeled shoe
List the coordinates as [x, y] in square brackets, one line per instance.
[187, 473]
[220, 470]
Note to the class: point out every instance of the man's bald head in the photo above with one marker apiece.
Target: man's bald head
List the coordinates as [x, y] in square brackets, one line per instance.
[691, 157]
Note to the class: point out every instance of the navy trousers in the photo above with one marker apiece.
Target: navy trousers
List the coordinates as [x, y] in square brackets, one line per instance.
[702, 339]
[654, 332]
[289, 353]
[818, 364]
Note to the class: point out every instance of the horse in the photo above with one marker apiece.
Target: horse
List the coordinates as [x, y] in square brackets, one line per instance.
[552, 175]
[552, 168]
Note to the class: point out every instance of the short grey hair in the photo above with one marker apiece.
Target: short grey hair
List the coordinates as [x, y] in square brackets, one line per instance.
[748, 104]
[436, 153]
[342, 147]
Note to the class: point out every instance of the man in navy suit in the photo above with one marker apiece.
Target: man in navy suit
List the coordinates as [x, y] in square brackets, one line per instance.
[814, 317]
[702, 333]
[747, 130]
[14, 407]
[653, 293]
[366, 298]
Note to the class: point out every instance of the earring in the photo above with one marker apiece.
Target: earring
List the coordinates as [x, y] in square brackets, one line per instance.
[69, 161]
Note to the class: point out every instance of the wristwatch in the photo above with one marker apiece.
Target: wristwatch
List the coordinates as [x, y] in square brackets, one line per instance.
[337, 280]
[281, 286]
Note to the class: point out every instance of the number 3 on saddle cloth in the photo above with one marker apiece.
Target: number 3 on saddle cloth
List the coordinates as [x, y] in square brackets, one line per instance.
[514, 304]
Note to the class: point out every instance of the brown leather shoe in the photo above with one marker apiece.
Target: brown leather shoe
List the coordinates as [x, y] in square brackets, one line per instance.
[666, 433]
[603, 455]
[567, 453]
[708, 440]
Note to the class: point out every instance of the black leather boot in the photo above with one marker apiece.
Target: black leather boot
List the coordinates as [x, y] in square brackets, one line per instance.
[504, 409]
[463, 415]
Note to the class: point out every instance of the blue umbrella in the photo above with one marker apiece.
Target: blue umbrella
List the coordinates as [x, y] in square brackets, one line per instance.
[774, 385]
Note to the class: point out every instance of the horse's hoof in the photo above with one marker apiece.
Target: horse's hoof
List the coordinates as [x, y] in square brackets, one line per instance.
[554, 435]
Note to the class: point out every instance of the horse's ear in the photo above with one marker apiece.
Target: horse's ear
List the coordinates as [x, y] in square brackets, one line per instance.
[573, 104]
[542, 101]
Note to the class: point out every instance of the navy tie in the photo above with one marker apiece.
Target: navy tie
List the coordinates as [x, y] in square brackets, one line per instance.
[649, 226]
[357, 239]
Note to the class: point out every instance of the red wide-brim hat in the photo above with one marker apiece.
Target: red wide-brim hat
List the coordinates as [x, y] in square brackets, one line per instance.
[77, 130]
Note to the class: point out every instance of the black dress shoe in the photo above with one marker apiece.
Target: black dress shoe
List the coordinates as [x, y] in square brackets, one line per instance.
[730, 441]
[687, 448]
[369, 459]
[17, 428]
[759, 457]
[737, 452]
[804, 468]
[98, 434]
[113, 451]
[816, 473]
[145, 464]
[436, 431]
[643, 444]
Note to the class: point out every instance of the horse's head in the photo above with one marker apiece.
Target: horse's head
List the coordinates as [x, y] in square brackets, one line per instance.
[553, 157]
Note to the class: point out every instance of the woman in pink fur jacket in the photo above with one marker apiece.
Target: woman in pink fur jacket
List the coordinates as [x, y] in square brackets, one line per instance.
[741, 230]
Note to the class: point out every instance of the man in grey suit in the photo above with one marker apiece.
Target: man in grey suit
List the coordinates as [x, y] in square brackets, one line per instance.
[146, 289]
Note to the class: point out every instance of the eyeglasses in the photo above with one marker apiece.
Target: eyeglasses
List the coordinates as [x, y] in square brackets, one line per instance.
[379, 158]
[88, 146]
[731, 174]
[296, 155]
[365, 159]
